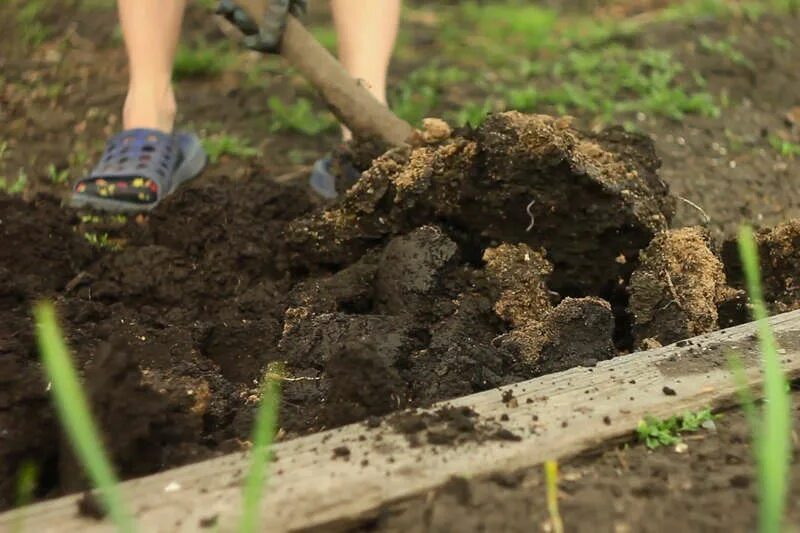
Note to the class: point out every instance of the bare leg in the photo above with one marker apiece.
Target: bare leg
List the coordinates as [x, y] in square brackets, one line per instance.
[151, 29]
[367, 33]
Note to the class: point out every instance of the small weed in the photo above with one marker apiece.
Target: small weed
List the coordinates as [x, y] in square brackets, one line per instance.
[200, 61]
[56, 176]
[784, 147]
[726, 48]
[29, 15]
[300, 116]
[414, 103]
[655, 433]
[225, 144]
[781, 42]
[473, 113]
[14, 187]
[102, 241]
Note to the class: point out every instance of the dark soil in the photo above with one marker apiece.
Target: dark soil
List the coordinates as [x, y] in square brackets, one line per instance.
[519, 248]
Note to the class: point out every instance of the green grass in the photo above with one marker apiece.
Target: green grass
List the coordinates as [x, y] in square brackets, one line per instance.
[261, 455]
[299, 116]
[27, 477]
[784, 147]
[57, 176]
[29, 15]
[225, 144]
[17, 186]
[102, 241]
[656, 433]
[725, 48]
[73, 411]
[771, 428]
[201, 60]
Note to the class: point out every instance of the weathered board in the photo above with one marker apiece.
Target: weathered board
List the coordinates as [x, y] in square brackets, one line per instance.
[553, 417]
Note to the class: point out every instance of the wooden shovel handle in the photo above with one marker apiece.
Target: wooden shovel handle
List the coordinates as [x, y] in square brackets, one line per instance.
[352, 104]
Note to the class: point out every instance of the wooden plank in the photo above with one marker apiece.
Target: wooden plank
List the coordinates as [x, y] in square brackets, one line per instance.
[575, 410]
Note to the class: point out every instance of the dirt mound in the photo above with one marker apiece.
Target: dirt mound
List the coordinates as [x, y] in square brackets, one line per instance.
[518, 178]
[465, 263]
[677, 287]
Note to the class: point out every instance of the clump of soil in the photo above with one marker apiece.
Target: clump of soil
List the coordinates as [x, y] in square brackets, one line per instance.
[779, 252]
[677, 287]
[578, 332]
[518, 178]
[516, 276]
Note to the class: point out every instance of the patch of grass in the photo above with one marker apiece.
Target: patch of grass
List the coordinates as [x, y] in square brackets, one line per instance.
[618, 80]
[781, 42]
[414, 103]
[299, 116]
[473, 113]
[726, 48]
[226, 144]
[200, 61]
[29, 21]
[17, 186]
[74, 413]
[261, 455]
[784, 147]
[518, 25]
[57, 176]
[102, 241]
[771, 428]
[655, 433]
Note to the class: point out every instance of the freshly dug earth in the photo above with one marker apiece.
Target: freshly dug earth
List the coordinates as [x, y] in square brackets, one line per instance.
[434, 277]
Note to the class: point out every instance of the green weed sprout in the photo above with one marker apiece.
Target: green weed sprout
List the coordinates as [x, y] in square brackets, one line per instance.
[261, 456]
[772, 431]
[73, 411]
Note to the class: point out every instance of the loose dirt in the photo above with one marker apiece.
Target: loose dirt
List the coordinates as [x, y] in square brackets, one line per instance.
[477, 259]
[710, 487]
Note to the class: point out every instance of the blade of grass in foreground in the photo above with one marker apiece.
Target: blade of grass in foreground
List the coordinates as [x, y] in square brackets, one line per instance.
[551, 481]
[773, 442]
[261, 456]
[73, 411]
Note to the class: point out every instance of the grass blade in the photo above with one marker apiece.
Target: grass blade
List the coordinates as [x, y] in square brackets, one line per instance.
[73, 411]
[773, 442]
[551, 480]
[261, 456]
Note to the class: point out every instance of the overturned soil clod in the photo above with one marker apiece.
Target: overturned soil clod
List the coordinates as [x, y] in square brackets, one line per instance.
[676, 289]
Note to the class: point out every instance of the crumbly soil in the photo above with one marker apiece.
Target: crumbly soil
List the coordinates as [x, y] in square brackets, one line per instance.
[479, 258]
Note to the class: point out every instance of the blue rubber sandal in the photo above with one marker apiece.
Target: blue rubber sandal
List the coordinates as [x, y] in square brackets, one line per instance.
[323, 178]
[139, 168]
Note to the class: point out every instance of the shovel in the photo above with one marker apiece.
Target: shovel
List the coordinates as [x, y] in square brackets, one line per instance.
[348, 100]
